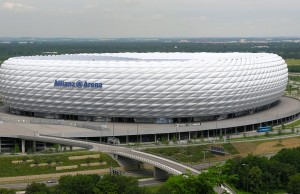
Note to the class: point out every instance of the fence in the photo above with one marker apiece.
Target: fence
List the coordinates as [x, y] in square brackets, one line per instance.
[94, 126]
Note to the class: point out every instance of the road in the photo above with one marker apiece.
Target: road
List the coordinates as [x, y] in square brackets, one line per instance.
[170, 166]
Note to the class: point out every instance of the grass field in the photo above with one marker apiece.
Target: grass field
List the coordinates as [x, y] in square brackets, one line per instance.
[195, 153]
[292, 61]
[9, 169]
[293, 124]
[189, 154]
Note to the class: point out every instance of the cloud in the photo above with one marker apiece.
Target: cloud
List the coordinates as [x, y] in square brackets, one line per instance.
[16, 6]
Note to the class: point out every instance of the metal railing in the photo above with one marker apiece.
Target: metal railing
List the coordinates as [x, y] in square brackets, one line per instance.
[95, 125]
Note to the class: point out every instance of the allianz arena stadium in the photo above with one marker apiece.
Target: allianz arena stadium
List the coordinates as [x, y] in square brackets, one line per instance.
[142, 87]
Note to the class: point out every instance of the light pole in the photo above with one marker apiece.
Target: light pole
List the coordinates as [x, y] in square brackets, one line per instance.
[137, 132]
[176, 133]
[113, 127]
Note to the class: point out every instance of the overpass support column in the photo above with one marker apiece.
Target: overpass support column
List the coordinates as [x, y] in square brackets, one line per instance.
[155, 139]
[34, 146]
[23, 146]
[127, 139]
[236, 130]
[160, 174]
[179, 136]
[189, 135]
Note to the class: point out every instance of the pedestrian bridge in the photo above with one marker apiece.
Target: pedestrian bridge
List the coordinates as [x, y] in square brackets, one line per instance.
[127, 157]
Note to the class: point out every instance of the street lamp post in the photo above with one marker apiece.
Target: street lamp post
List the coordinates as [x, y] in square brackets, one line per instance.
[177, 132]
[137, 132]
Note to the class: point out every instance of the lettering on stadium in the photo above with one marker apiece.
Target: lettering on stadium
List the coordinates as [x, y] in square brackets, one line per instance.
[77, 84]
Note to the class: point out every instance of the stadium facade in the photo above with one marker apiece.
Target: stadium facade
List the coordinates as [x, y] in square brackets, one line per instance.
[143, 87]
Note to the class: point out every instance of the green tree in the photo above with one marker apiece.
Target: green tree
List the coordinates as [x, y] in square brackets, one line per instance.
[37, 188]
[79, 184]
[17, 148]
[294, 184]
[174, 139]
[255, 179]
[7, 191]
[118, 184]
[204, 183]
[56, 147]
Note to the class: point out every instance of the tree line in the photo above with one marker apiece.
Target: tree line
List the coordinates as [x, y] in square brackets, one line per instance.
[252, 174]
[257, 174]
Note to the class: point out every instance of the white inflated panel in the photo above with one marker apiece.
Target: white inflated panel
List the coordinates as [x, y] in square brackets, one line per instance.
[144, 84]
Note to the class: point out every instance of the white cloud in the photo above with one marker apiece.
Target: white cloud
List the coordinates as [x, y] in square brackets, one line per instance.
[16, 6]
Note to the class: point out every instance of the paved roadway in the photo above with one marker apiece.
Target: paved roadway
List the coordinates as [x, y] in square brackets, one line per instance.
[165, 164]
[286, 107]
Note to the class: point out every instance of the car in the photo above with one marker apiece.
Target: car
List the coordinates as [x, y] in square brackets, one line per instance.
[51, 181]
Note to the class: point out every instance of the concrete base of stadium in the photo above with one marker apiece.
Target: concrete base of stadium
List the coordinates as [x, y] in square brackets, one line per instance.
[286, 110]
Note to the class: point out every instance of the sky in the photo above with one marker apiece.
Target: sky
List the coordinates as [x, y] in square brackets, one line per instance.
[149, 18]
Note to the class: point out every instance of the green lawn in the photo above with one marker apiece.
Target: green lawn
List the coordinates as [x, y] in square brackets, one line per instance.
[294, 78]
[293, 124]
[189, 154]
[292, 61]
[8, 169]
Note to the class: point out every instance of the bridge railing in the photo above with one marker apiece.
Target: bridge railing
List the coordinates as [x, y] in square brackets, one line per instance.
[56, 141]
[41, 121]
[156, 164]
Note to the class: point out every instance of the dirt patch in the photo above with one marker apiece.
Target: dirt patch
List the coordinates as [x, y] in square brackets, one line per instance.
[84, 157]
[272, 146]
[245, 147]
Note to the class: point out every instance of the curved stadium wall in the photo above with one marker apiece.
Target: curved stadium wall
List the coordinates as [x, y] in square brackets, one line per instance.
[142, 85]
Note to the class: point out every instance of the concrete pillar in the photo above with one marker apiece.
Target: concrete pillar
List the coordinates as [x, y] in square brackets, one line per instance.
[155, 139]
[253, 127]
[34, 146]
[236, 130]
[245, 129]
[207, 133]
[141, 139]
[71, 148]
[45, 146]
[179, 136]
[160, 174]
[189, 135]
[59, 147]
[127, 139]
[168, 136]
[23, 146]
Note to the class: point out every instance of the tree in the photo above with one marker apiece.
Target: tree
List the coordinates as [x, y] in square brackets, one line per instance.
[255, 179]
[118, 184]
[16, 149]
[204, 183]
[37, 188]
[174, 139]
[78, 184]
[7, 191]
[293, 185]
